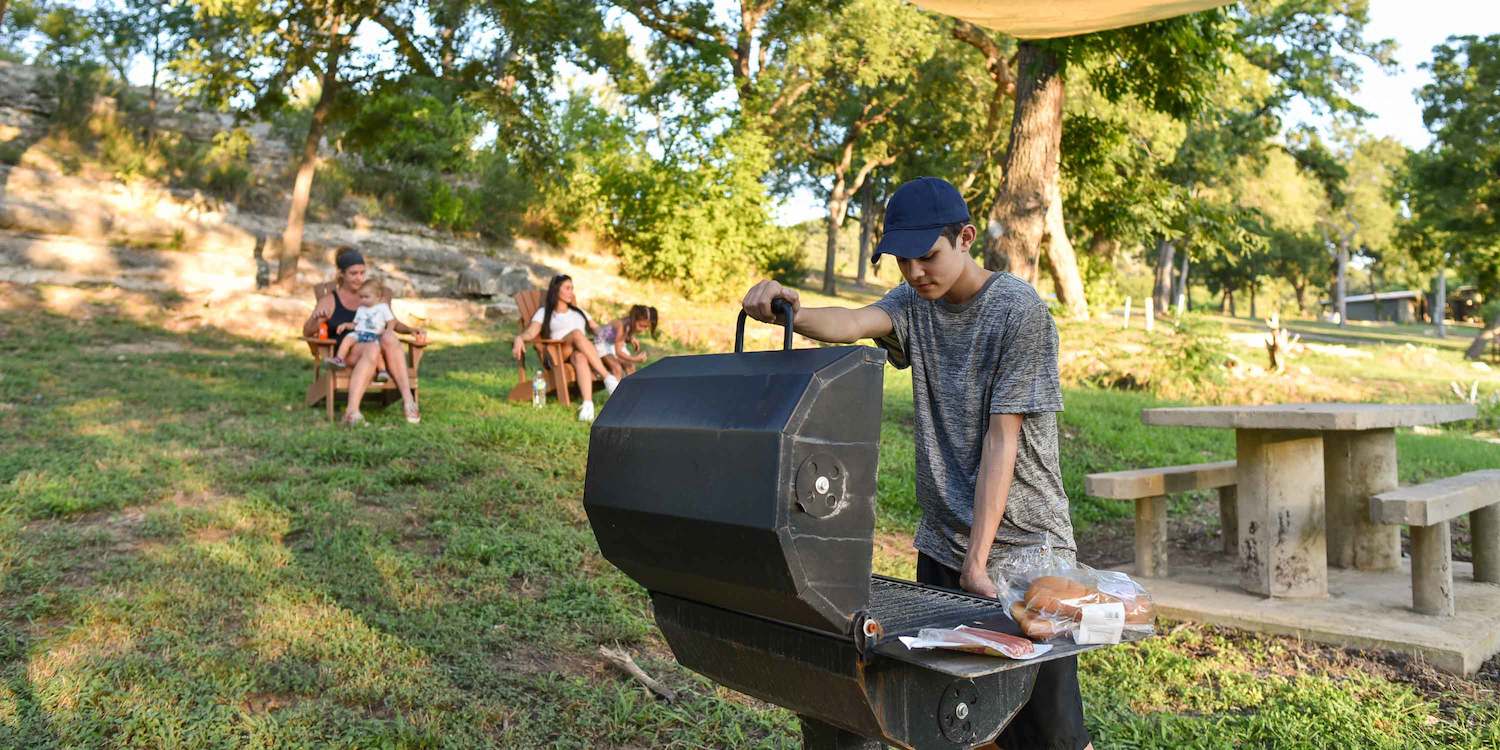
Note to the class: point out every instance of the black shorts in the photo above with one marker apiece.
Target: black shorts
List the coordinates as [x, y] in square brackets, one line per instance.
[1053, 718]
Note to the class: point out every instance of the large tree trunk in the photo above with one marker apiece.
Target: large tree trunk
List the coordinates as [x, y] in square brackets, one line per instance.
[1161, 292]
[866, 230]
[1253, 315]
[291, 238]
[838, 203]
[155, 70]
[839, 195]
[1013, 239]
[1062, 262]
[3, 3]
[1299, 288]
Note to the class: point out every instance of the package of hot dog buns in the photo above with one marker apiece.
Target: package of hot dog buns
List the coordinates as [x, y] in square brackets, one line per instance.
[1051, 598]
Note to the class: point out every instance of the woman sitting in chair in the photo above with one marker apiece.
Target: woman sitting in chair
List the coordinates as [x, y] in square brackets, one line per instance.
[337, 308]
[563, 321]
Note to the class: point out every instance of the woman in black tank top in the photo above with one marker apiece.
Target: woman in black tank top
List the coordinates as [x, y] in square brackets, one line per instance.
[340, 316]
[334, 310]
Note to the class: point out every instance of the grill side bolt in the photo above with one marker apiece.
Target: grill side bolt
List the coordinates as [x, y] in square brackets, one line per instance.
[961, 711]
[821, 485]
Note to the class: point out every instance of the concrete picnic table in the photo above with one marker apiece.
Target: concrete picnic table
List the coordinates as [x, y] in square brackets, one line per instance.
[1305, 475]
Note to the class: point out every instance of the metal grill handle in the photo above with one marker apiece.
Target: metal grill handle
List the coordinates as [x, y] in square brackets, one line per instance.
[780, 307]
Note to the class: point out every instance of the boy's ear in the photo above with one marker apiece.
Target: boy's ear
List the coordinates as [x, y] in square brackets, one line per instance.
[966, 237]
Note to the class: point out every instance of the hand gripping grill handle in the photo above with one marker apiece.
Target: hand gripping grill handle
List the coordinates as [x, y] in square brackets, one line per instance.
[780, 307]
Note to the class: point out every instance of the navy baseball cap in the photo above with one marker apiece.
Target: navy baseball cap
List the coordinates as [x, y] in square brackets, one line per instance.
[916, 214]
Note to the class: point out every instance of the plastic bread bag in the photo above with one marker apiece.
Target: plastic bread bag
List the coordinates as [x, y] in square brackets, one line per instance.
[975, 641]
[1050, 597]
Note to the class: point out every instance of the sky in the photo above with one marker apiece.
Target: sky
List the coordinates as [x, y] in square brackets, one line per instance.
[1415, 25]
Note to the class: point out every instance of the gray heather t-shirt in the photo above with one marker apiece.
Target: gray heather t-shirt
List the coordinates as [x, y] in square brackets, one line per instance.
[994, 354]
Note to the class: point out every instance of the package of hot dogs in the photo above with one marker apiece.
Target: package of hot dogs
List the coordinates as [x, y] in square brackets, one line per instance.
[1052, 598]
[975, 641]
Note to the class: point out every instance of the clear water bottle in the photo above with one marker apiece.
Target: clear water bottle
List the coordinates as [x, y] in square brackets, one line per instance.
[539, 390]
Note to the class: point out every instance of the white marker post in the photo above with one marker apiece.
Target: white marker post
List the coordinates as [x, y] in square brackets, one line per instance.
[1127, 313]
[1150, 313]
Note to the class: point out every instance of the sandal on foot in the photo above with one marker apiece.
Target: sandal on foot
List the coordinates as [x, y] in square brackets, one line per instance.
[353, 420]
[413, 414]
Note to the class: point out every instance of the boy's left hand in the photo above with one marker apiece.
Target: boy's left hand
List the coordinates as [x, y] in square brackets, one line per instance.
[977, 581]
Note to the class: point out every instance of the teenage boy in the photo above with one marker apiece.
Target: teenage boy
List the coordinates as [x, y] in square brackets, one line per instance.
[982, 347]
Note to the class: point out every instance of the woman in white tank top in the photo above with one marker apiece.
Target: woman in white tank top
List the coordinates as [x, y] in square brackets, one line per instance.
[563, 321]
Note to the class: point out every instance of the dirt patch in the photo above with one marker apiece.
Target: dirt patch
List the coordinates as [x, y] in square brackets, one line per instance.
[1113, 544]
[535, 661]
[407, 529]
[114, 522]
[212, 534]
[522, 587]
[893, 545]
[264, 703]
[137, 348]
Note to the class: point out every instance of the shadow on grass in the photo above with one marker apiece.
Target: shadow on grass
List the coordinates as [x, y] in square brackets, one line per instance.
[266, 578]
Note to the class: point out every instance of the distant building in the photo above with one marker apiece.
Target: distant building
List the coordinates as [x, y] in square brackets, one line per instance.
[1391, 307]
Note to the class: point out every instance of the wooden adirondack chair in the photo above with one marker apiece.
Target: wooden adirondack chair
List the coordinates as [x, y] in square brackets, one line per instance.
[328, 384]
[559, 373]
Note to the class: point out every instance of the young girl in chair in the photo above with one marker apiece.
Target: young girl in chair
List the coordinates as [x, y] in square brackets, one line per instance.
[615, 341]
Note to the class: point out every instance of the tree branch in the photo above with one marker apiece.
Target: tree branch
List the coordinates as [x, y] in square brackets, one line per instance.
[404, 45]
[675, 26]
[789, 96]
[999, 68]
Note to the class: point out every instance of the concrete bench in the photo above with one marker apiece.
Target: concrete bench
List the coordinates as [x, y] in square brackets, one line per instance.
[1149, 489]
[1427, 509]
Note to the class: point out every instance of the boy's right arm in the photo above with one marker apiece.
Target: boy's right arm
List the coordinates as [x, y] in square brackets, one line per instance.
[833, 325]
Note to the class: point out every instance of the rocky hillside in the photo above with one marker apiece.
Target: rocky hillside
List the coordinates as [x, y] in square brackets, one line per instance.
[76, 225]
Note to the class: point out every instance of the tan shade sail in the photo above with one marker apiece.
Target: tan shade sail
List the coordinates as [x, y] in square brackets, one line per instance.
[1043, 19]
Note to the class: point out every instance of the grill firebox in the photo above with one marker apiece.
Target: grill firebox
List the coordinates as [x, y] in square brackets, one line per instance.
[739, 490]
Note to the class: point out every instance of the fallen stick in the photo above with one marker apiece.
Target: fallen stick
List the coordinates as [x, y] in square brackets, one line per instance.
[624, 663]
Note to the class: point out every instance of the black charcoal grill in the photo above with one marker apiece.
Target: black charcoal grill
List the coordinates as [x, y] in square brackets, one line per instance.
[739, 490]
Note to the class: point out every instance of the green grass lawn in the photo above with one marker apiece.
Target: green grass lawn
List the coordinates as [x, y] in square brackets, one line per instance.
[189, 558]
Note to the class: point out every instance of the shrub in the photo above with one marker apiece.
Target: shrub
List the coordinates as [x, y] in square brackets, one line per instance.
[1101, 282]
[1192, 358]
[702, 225]
[331, 184]
[1490, 313]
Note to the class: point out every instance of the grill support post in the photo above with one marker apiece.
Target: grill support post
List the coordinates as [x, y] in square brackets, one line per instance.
[817, 735]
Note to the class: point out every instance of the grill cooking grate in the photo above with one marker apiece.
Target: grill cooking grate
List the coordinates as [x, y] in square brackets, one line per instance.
[903, 607]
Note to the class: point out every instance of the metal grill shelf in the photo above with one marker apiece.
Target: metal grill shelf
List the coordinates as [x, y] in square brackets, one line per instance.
[903, 607]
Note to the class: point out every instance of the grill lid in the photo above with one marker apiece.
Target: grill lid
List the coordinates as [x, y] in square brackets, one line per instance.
[745, 481]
